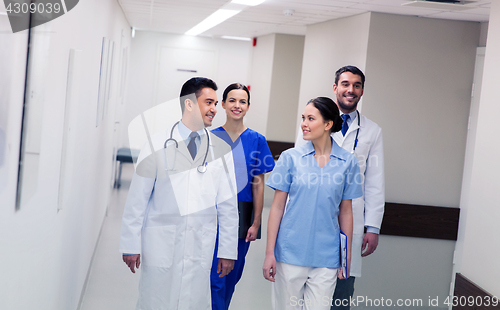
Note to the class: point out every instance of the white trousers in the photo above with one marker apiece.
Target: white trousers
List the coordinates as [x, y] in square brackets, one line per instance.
[303, 288]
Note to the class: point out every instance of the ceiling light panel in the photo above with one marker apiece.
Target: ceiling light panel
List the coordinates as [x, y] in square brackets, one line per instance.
[248, 2]
[216, 18]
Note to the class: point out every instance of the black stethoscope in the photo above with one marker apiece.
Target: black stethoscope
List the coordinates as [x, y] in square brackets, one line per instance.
[357, 134]
[201, 168]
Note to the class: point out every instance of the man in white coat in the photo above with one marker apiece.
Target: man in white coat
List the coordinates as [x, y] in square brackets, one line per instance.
[182, 188]
[364, 138]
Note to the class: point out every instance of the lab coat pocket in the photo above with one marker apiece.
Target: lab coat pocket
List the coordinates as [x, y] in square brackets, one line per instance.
[211, 180]
[208, 246]
[158, 246]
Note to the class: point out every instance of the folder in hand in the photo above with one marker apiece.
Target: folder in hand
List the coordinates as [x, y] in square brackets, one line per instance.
[343, 254]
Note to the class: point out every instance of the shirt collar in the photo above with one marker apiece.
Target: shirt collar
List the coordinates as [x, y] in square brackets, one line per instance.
[337, 151]
[185, 132]
[352, 115]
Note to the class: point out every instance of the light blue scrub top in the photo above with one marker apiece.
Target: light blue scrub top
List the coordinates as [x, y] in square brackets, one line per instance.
[309, 230]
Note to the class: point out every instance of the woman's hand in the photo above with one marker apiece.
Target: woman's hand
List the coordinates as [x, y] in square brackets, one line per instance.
[339, 274]
[269, 268]
[348, 271]
[252, 233]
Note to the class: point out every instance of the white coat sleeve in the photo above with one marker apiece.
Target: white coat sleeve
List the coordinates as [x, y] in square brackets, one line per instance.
[139, 194]
[227, 212]
[374, 187]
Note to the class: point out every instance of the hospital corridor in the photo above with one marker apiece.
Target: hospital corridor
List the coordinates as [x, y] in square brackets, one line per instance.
[408, 94]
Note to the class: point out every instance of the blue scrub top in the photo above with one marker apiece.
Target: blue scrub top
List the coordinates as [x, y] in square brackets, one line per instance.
[309, 231]
[251, 156]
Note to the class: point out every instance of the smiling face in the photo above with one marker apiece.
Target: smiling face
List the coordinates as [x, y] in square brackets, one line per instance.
[236, 104]
[313, 125]
[349, 90]
[207, 104]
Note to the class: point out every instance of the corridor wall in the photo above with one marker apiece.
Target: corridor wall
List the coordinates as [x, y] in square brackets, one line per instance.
[47, 245]
[477, 253]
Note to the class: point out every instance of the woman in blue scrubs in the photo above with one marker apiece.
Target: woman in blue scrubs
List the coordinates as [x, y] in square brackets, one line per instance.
[252, 158]
[319, 179]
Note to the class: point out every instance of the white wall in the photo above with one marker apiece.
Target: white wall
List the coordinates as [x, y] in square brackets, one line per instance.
[285, 87]
[46, 253]
[484, 34]
[419, 93]
[418, 83]
[261, 77]
[327, 48]
[478, 253]
[232, 65]
[13, 55]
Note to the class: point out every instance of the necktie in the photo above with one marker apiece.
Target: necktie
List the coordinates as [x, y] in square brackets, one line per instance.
[192, 144]
[345, 117]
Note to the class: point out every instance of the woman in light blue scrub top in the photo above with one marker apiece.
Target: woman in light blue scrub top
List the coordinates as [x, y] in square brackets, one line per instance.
[252, 158]
[319, 179]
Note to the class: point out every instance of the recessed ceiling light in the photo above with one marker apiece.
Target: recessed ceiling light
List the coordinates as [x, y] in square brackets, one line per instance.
[248, 2]
[213, 20]
[236, 38]
[441, 5]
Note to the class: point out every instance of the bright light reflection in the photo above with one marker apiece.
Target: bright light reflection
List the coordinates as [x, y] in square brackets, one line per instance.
[213, 20]
[248, 2]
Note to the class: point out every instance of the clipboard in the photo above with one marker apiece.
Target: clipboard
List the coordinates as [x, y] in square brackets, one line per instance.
[343, 253]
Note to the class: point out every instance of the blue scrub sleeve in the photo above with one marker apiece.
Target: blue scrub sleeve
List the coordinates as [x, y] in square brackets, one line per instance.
[263, 158]
[352, 184]
[281, 177]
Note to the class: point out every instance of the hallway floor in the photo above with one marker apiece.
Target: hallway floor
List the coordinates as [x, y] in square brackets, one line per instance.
[111, 285]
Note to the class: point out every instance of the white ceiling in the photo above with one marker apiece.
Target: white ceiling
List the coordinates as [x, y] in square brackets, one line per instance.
[178, 16]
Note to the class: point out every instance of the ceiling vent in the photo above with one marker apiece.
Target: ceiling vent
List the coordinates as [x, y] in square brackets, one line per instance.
[448, 5]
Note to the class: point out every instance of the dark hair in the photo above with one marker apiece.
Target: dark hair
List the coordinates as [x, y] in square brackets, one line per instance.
[354, 70]
[329, 111]
[194, 86]
[233, 87]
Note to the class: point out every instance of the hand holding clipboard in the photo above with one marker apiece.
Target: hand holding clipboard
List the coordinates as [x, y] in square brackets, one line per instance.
[343, 254]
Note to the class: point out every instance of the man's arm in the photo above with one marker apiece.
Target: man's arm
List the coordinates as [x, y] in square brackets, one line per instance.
[374, 195]
[133, 217]
[346, 224]
[227, 214]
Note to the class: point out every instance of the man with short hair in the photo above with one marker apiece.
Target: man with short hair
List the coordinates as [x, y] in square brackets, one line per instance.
[364, 138]
[183, 186]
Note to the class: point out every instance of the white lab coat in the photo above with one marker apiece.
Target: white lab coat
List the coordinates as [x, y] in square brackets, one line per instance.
[368, 210]
[170, 218]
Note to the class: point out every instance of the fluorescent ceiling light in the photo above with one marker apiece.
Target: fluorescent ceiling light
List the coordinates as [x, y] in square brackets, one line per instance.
[236, 38]
[248, 2]
[459, 6]
[213, 20]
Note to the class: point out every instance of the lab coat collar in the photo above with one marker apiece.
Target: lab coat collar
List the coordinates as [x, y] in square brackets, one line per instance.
[182, 134]
[337, 151]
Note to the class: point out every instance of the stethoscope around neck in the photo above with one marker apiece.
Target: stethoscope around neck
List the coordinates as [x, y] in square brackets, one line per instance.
[201, 168]
[357, 134]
